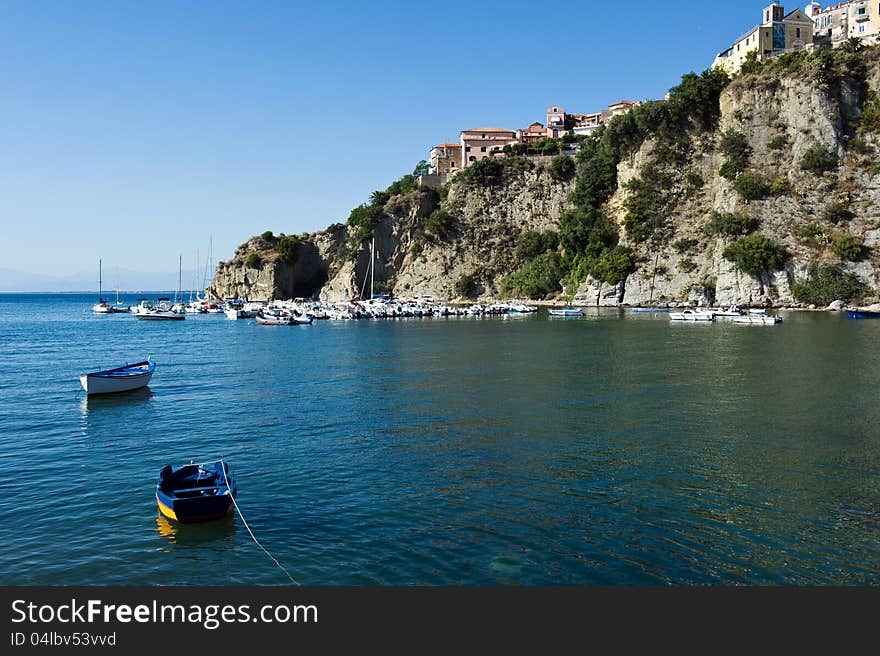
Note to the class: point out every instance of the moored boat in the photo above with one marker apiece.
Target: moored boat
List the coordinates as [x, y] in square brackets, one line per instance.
[691, 315]
[758, 319]
[862, 313]
[121, 379]
[567, 311]
[195, 492]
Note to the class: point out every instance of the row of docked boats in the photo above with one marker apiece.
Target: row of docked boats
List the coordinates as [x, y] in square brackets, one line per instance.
[756, 316]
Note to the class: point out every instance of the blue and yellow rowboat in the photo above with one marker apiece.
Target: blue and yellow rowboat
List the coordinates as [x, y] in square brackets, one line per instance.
[195, 492]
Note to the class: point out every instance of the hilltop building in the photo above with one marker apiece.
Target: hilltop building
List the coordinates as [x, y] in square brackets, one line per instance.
[835, 24]
[445, 159]
[478, 143]
[778, 33]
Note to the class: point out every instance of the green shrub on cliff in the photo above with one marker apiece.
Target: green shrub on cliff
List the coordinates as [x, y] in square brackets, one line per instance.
[817, 160]
[730, 223]
[847, 246]
[735, 147]
[268, 236]
[438, 224]
[562, 168]
[751, 186]
[537, 278]
[779, 142]
[614, 265]
[828, 283]
[756, 254]
[466, 286]
[685, 245]
[287, 249]
[646, 206]
[364, 218]
[485, 172]
[532, 243]
[835, 212]
[254, 261]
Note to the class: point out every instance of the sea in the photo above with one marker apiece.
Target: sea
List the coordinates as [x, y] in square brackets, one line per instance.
[614, 449]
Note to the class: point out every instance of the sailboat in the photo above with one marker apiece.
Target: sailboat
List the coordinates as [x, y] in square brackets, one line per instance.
[120, 306]
[179, 307]
[372, 272]
[101, 307]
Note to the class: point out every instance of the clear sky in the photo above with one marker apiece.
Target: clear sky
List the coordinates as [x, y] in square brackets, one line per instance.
[136, 131]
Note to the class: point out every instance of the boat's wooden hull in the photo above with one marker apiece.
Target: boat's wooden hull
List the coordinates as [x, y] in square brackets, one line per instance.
[862, 314]
[195, 509]
[161, 316]
[102, 385]
[758, 320]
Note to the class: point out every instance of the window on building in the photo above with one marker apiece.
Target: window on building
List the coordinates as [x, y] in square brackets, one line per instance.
[472, 159]
[483, 149]
[862, 11]
[467, 149]
[861, 28]
[797, 33]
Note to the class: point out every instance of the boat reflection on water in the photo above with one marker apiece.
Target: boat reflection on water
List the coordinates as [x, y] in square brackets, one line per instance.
[195, 534]
[122, 399]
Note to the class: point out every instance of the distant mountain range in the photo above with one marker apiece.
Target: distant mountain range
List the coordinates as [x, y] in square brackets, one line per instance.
[12, 280]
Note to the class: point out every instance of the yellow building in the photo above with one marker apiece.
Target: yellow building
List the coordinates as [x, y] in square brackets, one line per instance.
[779, 32]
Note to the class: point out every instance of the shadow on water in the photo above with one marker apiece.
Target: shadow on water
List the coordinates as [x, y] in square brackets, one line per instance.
[195, 534]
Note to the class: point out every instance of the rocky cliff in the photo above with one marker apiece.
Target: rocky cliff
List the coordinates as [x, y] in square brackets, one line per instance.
[754, 159]
[476, 236]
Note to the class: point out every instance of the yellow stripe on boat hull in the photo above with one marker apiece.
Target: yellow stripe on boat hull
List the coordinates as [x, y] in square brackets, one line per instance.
[165, 510]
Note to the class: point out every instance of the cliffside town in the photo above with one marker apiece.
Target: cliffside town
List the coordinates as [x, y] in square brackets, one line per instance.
[763, 190]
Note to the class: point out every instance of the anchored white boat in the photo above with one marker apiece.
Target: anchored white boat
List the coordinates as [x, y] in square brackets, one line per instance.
[102, 306]
[567, 311]
[691, 315]
[732, 311]
[758, 319]
[121, 379]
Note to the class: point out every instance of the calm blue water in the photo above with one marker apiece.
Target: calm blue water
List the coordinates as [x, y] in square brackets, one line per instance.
[614, 449]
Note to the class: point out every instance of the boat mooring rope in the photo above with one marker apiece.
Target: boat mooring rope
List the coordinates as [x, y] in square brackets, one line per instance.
[253, 537]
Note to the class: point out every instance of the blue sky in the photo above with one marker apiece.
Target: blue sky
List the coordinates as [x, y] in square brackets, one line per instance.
[136, 131]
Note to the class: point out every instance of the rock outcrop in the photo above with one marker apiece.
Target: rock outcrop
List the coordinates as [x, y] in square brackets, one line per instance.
[426, 243]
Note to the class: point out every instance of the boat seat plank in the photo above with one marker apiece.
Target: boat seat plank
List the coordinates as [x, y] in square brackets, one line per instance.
[196, 489]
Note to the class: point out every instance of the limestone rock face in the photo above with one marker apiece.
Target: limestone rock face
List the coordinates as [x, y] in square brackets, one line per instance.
[781, 118]
[481, 230]
[792, 112]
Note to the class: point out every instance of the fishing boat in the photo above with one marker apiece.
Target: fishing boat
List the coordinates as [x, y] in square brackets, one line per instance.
[567, 311]
[195, 492]
[691, 315]
[121, 379]
[862, 313]
[650, 309]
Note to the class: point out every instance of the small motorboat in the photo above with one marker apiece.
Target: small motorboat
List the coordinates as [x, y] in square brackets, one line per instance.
[164, 311]
[121, 379]
[872, 312]
[651, 310]
[691, 315]
[567, 311]
[758, 319]
[195, 492]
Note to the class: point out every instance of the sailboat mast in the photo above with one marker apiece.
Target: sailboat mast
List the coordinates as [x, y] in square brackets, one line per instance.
[372, 266]
[179, 271]
[100, 283]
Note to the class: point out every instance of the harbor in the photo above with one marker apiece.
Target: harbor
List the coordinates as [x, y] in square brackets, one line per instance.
[417, 451]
